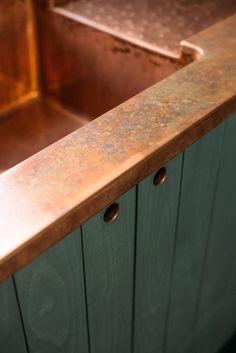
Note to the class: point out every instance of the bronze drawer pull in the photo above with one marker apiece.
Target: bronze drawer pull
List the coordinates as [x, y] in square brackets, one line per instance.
[111, 213]
[160, 176]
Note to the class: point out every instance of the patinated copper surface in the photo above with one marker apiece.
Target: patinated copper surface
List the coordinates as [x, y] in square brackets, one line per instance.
[159, 23]
[18, 76]
[82, 69]
[32, 127]
[53, 192]
[91, 71]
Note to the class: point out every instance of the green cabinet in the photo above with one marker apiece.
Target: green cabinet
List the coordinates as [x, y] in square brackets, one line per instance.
[155, 272]
[200, 171]
[78, 297]
[200, 292]
[109, 269]
[52, 299]
[12, 338]
[216, 319]
[157, 209]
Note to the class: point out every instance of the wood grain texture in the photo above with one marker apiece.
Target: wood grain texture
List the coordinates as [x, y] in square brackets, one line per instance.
[11, 332]
[201, 162]
[217, 310]
[156, 224]
[51, 294]
[109, 262]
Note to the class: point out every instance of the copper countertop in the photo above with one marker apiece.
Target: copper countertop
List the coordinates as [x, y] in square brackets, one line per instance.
[47, 196]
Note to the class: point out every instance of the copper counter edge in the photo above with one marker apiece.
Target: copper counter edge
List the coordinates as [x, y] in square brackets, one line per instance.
[105, 158]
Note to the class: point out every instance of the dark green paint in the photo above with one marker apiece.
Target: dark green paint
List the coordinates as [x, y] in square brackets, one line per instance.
[51, 294]
[157, 213]
[109, 262]
[217, 310]
[230, 346]
[201, 163]
[11, 330]
[79, 296]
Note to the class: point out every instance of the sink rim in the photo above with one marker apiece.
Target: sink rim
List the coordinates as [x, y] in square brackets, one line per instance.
[177, 112]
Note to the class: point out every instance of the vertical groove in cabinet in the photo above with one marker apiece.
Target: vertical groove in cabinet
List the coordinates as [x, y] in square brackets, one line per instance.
[12, 339]
[85, 292]
[134, 272]
[205, 253]
[51, 296]
[216, 319]
[20, 314]
[157, 215]
[173, 258]
[200, 167]
[108, 256]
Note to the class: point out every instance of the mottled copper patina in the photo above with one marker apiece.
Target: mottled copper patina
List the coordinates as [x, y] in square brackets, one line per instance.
[48, 195]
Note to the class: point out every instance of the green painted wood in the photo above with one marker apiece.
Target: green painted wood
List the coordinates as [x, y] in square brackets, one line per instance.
[156, 224]
[230, 346]
[109, 261]
[217, 309]
[11, 331]
[201, 163]
[51, 295]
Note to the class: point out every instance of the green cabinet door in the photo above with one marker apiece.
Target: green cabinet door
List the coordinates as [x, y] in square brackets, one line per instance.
[51, 296]
[156, 223]
[200, 171]
[11, 330]
[216, 319]
[109, 265]
[156, 274]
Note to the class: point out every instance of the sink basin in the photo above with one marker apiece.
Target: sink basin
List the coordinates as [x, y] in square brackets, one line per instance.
[62, 70]
[62, 66]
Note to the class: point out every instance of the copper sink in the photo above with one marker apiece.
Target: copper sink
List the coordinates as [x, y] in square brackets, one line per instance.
[66, 62]
[59, 72]
[62, 65]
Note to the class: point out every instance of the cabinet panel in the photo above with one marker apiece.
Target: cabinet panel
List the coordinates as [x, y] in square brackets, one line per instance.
[11, 331]
[156, 223]
[200, 169]
[109, 261]
[217, 309]
[51, 294]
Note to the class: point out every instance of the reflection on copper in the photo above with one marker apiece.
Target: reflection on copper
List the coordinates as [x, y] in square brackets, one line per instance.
[82, 73]
[50, 194]
[18, 76]
[158, 23]
[32, 127]
[82, 58]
